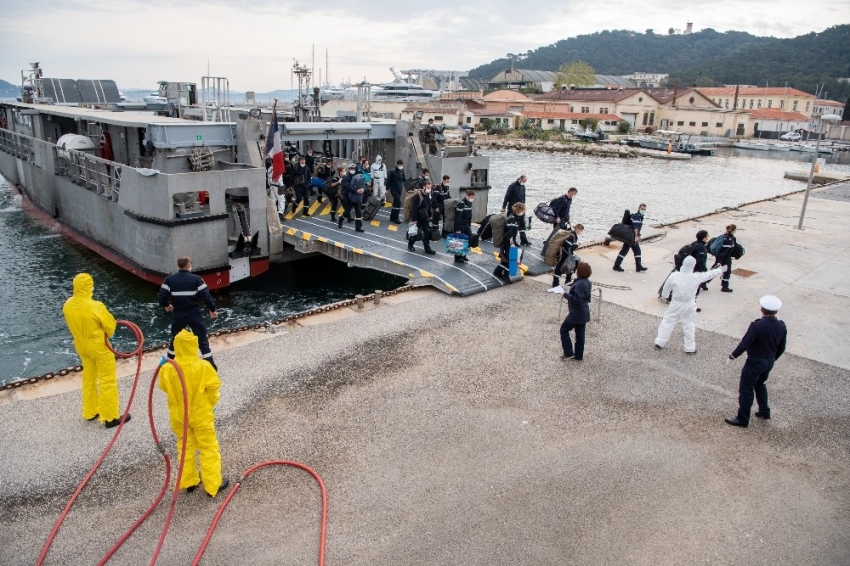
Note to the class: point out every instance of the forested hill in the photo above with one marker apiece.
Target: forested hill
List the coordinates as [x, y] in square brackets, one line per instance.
[706, 57]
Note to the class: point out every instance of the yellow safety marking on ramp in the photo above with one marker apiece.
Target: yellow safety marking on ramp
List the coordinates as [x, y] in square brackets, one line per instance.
[387, 204]
[339, 245]
[375, 223]
[306, 236]
[450, 288]
[376, 256]
[321, 239]
[340, 210]
[476, 250]
[424, 273]
[289, 216]
[392, 228]
[314, 207]
[523, 268]
[357, 250]
[397, 262]
[291, 232]
[326, 210]
[496, 255]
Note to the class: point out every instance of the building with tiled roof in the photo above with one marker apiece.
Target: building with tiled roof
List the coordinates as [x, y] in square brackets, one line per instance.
[753, 98]
[555, 120]
[823, 107]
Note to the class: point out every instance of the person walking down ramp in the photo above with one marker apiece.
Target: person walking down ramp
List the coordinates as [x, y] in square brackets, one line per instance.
[578, 297]
[90, 322]
[764, 343]
[636, 222]
[202, 385]
[179, 295]
[683, 307]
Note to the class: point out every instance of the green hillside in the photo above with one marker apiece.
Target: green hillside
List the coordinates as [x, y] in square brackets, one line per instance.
[706, 57]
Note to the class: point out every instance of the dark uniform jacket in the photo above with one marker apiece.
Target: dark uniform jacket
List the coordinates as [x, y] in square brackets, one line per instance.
[637, 222]
[440, 195]
[330, 189]
[395, 180]
[310, 161]
[727, 246]
[422, 206]
[511, 231]
[700, 254]
[182, 290]
[346, 183]
[561, 207]
[765, 338]
[357, 182]
[463, 215]
[301, 175]
[578, 297]
[515, 194]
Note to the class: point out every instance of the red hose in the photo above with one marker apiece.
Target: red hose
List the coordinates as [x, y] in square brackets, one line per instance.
[165, 457]
[137, 351]
[239, 483]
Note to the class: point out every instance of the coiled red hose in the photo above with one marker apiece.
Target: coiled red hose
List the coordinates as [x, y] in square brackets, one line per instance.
[248, 472]
[137, 351]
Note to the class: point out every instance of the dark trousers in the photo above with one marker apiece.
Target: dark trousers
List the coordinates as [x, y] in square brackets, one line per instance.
[724, 279]
[335, 202]
[625, 251]
[753, 375]
[567, 344]
[195, 323]
[424, 228]
[348, 206]
[523, 237]
[397, 202]
[302, 194]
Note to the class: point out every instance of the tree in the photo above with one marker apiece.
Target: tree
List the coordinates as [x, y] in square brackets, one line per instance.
[847, 110]
[577, 73]
[650, 32]
[671, 31]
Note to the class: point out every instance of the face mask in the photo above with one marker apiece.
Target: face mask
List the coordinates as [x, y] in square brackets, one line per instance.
[399, 167]
[643, 211]
[427, 191]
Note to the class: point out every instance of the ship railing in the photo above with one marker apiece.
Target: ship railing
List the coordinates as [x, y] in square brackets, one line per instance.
[99, 175]
[16, 144]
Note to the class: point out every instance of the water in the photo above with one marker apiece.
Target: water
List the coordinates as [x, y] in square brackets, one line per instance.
[672, 189]
[37, 265]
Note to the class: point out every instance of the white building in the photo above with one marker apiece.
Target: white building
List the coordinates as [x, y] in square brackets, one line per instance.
[647, 80]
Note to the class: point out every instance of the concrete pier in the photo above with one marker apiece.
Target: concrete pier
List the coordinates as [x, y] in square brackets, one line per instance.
[448, 431]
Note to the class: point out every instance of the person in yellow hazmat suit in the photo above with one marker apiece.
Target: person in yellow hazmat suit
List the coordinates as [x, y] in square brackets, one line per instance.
[202, 385]
[90, 323]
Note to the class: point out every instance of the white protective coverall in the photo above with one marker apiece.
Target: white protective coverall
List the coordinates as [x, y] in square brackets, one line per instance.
[379, 177]
[683, 306]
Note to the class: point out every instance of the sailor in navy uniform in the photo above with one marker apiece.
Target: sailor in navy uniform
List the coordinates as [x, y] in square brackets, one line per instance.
[764, 342]
[179, 295]
[637, 224]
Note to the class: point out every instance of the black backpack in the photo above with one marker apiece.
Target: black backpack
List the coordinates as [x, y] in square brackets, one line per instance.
[684, 252]
[627, 217]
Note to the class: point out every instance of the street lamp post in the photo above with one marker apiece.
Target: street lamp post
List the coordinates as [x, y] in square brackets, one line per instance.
[828, 118]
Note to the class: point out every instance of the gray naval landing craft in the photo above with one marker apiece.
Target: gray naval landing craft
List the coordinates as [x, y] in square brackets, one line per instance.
[142, 189]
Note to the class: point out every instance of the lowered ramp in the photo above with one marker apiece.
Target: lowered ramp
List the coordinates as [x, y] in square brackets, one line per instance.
[383, 247]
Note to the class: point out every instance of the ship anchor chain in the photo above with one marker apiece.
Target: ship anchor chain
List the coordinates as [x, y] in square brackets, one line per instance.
[262, 326]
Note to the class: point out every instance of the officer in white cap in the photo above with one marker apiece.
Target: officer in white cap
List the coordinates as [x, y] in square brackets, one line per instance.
[764, 342]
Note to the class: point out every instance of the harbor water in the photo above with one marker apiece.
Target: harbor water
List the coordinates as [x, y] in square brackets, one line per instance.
[37, 264]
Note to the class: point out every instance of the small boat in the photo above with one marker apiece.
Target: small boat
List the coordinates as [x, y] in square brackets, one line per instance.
[811, 149]
[779, 147]
[753, 145]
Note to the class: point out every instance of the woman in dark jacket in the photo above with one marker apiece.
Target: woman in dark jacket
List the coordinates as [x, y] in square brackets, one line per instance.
[578, 299]
[725, 256]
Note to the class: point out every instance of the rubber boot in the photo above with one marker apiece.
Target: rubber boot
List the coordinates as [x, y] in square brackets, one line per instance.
[394, 215]
[333, 216]
[459, 259]
[306, 211]
[555, 281]
[339, 222]
[358, 225]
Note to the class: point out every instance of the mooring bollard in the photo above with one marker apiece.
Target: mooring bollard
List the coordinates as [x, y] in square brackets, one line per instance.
[378, 294]
[359, 300]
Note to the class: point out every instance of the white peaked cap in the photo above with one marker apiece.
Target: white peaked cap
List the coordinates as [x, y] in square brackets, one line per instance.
[770, 303]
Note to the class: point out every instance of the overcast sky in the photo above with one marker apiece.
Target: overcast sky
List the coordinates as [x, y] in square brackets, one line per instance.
[254, 43]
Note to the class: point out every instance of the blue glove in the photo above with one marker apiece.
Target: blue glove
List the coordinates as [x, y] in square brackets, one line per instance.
[163, 361]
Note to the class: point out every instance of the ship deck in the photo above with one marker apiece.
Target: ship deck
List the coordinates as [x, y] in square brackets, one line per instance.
[123, 118]
[383, 247]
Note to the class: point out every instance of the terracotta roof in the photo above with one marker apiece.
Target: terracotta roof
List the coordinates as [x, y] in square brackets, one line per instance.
[504, 94]
[569, 116]
[777, 114]
[829, 103]
[753, 91]
[590, 95]
[487, 112]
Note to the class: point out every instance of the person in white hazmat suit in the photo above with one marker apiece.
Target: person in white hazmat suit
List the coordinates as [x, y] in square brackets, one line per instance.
[379, 176]
[683, 306]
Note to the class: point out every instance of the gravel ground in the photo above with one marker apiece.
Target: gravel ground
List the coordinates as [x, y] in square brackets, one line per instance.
[448, 431]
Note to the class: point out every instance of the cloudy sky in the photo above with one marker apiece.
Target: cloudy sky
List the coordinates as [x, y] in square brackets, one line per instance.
[254, 44]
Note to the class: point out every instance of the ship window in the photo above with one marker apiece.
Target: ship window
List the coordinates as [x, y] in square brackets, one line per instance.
[478, 178]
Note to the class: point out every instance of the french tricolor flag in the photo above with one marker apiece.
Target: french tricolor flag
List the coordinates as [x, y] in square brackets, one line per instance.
[274, 150]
